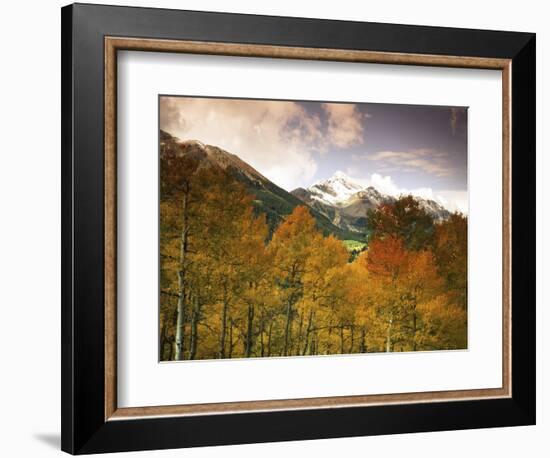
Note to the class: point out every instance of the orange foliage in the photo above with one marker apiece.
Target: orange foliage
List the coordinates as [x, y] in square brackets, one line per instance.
[387, 257]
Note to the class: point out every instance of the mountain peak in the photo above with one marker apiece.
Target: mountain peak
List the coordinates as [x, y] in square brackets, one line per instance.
[340, 175]
[335, 189]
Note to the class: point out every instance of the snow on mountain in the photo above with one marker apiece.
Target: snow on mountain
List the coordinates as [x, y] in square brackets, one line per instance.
[346, 201]
[340, 190]
[336, 189]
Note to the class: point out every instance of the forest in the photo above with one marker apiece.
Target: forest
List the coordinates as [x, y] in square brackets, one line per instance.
[232, 287]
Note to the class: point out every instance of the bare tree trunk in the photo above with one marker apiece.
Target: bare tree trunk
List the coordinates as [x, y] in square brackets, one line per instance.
[180, 325]
[341, 339]
[262, 347]
[313, 348]
[230, 355]
[292, 299]
[269, 338]
[224, 321]
[329, 343]
[162, 337]
[182, 286]
[388, 336]
[308, 332]
[194, 329]
[352, 338]
[363, 347]
[250, 322]
[295, 348]
[172, 338]
[287, 325]
[170, 349]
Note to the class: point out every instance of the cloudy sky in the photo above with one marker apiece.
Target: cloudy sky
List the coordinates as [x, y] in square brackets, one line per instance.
[397, 148]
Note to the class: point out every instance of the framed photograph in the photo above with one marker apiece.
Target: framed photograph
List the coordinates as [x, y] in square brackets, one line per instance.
[281, 228]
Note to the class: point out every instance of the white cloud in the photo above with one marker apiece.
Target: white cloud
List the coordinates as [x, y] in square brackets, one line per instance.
[268, 135]
[345, 124]
[457, 200]
[451, 200]
[278, 138]
[426, 160]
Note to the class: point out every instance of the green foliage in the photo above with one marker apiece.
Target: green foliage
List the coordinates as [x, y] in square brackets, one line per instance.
[355, 248]
[354, 245]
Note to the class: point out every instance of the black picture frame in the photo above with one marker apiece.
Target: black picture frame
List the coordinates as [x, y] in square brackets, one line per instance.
[84, 429]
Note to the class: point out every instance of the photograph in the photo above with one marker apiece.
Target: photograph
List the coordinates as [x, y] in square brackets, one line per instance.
[308, 228]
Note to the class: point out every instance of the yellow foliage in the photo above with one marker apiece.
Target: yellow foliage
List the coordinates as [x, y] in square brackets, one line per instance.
[246, 294]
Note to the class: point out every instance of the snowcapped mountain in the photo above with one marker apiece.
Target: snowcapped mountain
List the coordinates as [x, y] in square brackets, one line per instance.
[335, 190]
[345, 201]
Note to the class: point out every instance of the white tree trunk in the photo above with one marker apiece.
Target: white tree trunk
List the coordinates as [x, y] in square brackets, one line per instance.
[182, 287]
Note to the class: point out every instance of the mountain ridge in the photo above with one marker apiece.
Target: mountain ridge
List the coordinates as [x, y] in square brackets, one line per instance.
[270, 199]
[339, 204]
[346, 201]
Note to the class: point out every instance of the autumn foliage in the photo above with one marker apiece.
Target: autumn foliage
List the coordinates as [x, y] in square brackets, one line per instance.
[230, 289]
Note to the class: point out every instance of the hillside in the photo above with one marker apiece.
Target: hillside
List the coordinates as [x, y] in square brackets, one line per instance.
[270, 199]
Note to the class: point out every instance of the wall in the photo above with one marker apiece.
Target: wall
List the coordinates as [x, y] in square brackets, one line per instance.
[30, 228]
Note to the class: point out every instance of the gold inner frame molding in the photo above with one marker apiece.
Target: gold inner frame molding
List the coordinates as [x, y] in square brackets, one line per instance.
[114, 44]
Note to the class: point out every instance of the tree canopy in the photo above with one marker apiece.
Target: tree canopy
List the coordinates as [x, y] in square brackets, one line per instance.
[231, 289]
